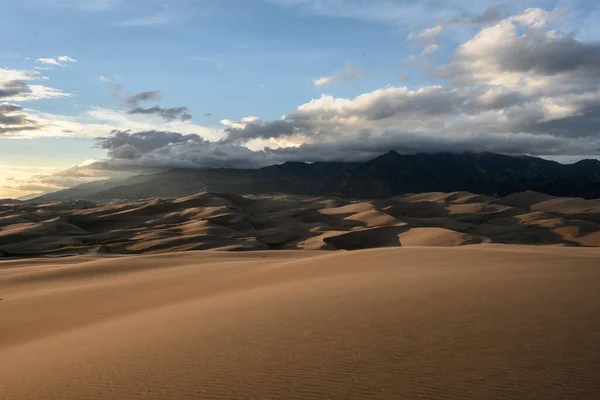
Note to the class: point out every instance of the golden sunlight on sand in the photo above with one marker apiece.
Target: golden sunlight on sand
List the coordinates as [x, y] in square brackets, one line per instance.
[477, 322]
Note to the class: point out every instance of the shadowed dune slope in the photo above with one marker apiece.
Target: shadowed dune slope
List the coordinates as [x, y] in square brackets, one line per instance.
[472, 322]
[207, 221]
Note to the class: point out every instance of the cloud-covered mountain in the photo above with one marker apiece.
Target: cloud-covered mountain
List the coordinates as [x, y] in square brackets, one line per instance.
[387, 175]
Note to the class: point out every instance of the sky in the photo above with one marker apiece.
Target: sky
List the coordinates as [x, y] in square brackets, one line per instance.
[92, 89]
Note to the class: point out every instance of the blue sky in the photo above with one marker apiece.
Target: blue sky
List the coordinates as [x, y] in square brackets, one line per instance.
[237, 66]
[214, 56]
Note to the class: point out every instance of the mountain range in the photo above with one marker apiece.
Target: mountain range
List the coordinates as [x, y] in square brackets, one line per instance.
[388, 175]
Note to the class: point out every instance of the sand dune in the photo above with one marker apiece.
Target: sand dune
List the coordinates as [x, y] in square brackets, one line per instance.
[473, 322]
[230, 222]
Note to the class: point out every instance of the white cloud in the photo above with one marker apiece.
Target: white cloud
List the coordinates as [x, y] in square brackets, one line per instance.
[430, 49]
[427, 34]
[58, 61]
[49, 61]
[39, 92]
[103, 79]
[19, 75]
[20, 91]
[239, 124]
[517, 52]
[100, 121]
[428, 39]
[350, 72]
[66, 59]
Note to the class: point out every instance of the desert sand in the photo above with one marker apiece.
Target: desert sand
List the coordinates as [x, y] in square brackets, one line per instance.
[207, 221]
[470, 322]
[443, 296]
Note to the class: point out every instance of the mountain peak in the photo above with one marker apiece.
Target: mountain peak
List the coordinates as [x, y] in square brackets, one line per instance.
[391, 155]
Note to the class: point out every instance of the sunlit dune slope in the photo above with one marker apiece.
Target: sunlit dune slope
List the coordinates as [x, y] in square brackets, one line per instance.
[474, 322]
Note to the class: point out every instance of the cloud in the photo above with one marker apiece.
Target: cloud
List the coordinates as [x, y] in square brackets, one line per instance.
[100, 121]
[134, 100]
[50, 61]
[159, 149]
[13, 86]
[66, 59]
[58, 61]
[19, 75]
[168, 114]
[104, 79]
[430, 49]
[428, 38]
[331, 117]
[12, 120]
[350, 72]
[427, 34]
[145, 141]
[162, 150]
[7, 108]
[502, 55]
[489, 16]
[39, 92]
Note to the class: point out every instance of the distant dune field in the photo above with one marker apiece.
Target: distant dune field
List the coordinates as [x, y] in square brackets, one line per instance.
[229, 222]
[471, 322]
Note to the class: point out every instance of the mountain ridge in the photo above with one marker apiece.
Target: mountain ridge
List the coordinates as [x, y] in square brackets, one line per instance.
[389, 174]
